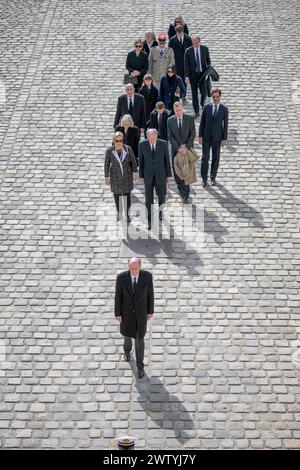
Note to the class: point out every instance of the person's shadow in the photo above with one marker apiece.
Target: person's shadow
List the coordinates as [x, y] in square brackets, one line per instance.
[155, 399]
[236, 206]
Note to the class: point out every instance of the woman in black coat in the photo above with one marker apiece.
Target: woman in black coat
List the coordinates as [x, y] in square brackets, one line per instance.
[120, 170]
[150, 94]
[171, 88]
[131, 134]
[178, 20]
[137, 63]
[149, 42]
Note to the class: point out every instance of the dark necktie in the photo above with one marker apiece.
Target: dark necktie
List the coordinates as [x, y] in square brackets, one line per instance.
[179, 125]
[134, 285]
[198, 61]
[130, 106]
[153, 151]
[161, 51]
[215, 111]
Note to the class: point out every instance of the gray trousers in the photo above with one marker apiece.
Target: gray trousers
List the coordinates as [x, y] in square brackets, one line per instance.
[139, 350]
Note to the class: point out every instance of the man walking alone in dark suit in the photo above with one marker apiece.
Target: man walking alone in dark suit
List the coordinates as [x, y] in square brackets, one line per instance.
[155, 170]
[134, 306]
[213, 132]
[196, 59]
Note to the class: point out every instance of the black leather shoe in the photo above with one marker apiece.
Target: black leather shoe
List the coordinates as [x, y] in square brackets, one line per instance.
[213, 182]
[141, 373]
[149, 227]
[127, 357]
[128, 220]
[204, 184]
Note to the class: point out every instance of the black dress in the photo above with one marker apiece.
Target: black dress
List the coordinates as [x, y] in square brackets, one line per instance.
[151, 97]
[131, 138]
[137, 62]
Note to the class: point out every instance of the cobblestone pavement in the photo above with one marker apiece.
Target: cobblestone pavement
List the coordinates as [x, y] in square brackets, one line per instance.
[222, 353]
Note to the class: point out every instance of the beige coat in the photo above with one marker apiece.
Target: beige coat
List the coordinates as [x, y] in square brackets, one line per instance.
[185, 166]
[158, 66]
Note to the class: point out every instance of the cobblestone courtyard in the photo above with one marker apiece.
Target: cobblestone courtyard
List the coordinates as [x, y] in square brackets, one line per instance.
[222, 351]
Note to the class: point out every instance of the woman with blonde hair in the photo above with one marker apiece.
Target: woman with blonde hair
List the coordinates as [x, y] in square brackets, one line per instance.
[120, 170]
[178, 21]
[137, 63]
[131, 134]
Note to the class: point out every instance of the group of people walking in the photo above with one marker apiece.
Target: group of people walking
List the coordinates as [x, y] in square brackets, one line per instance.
[152, 107]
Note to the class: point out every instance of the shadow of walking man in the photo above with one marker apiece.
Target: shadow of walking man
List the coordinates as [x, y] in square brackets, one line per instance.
[164, 409]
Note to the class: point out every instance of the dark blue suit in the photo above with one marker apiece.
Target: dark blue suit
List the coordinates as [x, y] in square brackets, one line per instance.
[155, 169]
[191, 72]
[212, 129]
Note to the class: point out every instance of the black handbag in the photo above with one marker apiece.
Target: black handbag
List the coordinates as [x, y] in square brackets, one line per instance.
[130, 79]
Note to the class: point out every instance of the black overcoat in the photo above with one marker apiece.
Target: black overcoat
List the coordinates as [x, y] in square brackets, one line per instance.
[134, 308]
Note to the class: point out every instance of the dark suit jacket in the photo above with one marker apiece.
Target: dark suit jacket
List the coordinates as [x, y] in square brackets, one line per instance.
[172, 31]
[162, 128]
[150, 97]
[190, 64]
[134, 308]
[179, 50]
[159, 166]
[138, 114]
[131, 138]
[215, 129]
[187, 135]
[146, 47]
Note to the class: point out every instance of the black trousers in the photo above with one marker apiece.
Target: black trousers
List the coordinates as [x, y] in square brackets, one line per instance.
[206, 146]
[139, 350]
[149, 190]
[195, 87]
[183, 189]
[123, 203]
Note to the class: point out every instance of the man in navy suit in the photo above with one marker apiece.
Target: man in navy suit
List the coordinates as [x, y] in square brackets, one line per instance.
[213, 132]
[155, 170]
[196, 59]
[133, 104]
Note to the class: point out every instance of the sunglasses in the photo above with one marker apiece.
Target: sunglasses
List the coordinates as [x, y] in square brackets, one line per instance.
[118, 140]
[138, 47]
[170, 71]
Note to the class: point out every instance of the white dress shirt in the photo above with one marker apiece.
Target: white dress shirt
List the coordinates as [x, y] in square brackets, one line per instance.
[128, 101]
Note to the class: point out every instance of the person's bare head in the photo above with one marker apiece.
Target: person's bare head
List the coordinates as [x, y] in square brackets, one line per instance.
[179, 30]
[152, 136]
[129, 89]
[134, 265]
[160, 107]
[178, 109]
[196, 41]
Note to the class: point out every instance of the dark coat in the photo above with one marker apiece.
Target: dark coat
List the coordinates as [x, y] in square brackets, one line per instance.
[215, 129]
[159, 166]
[179, 50]
[162, 127]
[138, 114]
[131, 138]
[137, 62]
[134, 308]
[120, 184]
[187, 135]
[151, 97]
[190, 65]
[172, 31]
[146, 47]
[167, 90]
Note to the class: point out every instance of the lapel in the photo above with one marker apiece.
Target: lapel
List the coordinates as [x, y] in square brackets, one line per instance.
[140, 284]
[128, 282]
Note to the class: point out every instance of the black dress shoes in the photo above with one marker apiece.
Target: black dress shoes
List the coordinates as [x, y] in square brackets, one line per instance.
[127, 357]
[204, 184]
[141, 373]
[213, 182]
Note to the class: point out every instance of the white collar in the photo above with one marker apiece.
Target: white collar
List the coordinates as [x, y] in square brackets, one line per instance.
[136, 277]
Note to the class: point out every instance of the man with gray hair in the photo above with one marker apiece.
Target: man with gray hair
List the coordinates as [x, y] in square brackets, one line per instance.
[134, 306]
[155, 170]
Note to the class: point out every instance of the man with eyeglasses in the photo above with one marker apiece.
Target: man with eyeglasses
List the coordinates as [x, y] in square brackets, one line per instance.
[160, 58]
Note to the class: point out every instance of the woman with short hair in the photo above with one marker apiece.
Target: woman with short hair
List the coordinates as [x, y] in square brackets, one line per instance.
[137, 63]
[131, 134]
[171, 88]
[150, 41]
[120, 170]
